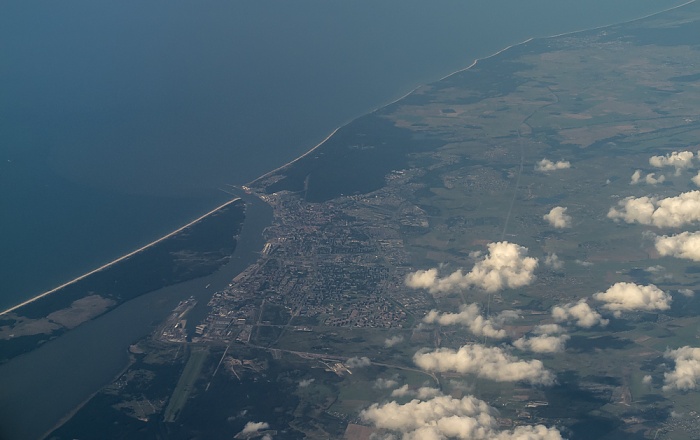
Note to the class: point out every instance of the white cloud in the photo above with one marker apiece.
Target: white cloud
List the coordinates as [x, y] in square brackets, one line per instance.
[385, 384]
[424, 393]
[635, 177]
[306, 382]
[688, 293]
[443, 417]
[544, 343]
[696, 179]
[669, 212]
[252, 427]
[646, 380]
[656, 270]
[401, 391]
[421, 393]
[658, 273]
[558, 217]
[426, 279]
[390, 342]
[580, 313]
[680, 160]
[358, 362]
[651, 180]
[548, 329]
[470, 316]
[506, 265]
[546, 165]
[485, 362]
[630, 297]
[684, 245]
[686, 373]
[552, 261]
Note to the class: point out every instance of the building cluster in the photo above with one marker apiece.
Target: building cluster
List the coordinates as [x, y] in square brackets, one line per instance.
[340, 263]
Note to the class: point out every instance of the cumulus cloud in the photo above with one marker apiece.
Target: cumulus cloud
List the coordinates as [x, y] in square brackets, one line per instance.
[390, 342]
[385, 384]
[506, 265]
[401, 391]
[552, 261]
[634, 297]
[685, 375]
[558, 217]
[668, 212]
[646, 380]
[658, 273]
[684, 245]
[650, 178]
[688, 293]
[543, 343]
[442, 417]
[548, 329]
[422, 393]
[546, 165]
[580, 313]
[696, 179]
[470, 317]
[491, 363]
[252, 427]
[635, 177]
[358, 362]
[306, 382]
[680, 160]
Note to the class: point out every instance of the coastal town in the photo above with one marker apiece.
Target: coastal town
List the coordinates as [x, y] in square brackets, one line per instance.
[469, 252]
[337, 264]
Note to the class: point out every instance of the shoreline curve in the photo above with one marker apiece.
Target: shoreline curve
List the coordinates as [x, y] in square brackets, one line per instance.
[474, 63]
[252, 182]
[122, 258]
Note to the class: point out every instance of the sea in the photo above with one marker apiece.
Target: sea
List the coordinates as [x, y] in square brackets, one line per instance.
[121, 121]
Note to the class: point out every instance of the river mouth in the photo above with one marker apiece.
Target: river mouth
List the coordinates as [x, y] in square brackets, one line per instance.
[42, 387]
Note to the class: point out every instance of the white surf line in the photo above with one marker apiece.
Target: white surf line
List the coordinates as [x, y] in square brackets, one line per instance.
[476, 61]
[294, 160]
[331, 135]
[269, 173]
[122, 258]
[632, 20]
[379, 108]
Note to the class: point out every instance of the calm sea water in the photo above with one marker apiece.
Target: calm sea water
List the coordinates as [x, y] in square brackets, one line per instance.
[120, 121]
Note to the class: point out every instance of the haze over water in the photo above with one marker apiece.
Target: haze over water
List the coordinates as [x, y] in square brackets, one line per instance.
[120, 121]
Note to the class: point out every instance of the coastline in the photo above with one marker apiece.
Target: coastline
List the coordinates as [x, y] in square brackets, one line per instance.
[269, 173]
[317, 146]
[464, 69]
[80, 406]
[63, 373]
[622, 22]
[122, 258]
[279, 168]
